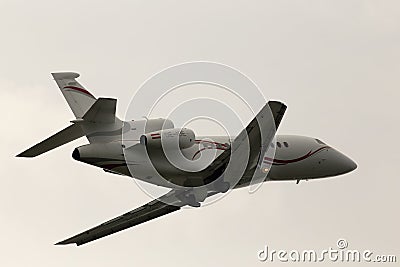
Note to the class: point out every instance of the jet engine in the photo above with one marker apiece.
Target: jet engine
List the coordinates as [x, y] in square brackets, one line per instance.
[169, 138]
[95, 153]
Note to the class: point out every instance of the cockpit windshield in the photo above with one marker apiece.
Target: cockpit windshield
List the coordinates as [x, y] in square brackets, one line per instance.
[319, 142]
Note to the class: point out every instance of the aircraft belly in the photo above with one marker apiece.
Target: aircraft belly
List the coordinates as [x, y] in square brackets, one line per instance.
[172, 169]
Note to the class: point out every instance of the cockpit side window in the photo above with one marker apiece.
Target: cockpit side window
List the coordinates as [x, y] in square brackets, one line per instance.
[319, 142]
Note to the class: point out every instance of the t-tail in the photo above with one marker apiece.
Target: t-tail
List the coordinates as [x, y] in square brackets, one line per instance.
[78, 98]
[92, 116]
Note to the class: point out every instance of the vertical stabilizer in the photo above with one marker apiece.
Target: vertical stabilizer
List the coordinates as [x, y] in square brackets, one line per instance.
[78, 98]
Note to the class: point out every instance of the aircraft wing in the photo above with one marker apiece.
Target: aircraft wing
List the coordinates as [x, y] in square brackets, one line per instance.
[249, 146]
[259, 133]
[147, 212]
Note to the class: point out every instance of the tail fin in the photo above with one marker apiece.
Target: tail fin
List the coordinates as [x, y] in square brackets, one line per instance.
[78, 98]
[95, 117]
[101, 115]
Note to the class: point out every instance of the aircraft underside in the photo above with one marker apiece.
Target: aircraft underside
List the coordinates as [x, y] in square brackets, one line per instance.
[193, 168]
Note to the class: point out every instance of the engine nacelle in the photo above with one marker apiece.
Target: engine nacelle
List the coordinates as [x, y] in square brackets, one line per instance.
[92, 153]
[169, 138]
[152, 125]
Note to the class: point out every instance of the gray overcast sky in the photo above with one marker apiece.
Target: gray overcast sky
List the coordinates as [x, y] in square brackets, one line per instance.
[336, 64]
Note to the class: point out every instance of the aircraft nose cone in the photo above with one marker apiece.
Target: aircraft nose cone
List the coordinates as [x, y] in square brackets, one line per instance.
[343, 164]
[351, 165]
[347, 165]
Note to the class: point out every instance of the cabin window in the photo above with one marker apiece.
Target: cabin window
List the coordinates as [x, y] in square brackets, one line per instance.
[285, 144]
[278, 144]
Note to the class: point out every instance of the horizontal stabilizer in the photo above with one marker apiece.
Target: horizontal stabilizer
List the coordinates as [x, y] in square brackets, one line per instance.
[102, 111]
[67, 135]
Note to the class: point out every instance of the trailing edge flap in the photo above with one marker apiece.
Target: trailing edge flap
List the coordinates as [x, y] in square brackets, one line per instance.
[102, 111]
[64, 136]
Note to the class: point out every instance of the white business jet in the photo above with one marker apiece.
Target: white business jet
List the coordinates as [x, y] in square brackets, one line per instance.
[147, 150]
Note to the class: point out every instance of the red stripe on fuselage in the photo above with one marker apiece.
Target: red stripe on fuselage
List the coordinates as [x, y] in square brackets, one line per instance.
[206, 141]
[286, 161]
[205, 148]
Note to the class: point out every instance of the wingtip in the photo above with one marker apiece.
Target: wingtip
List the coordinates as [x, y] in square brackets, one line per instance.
[61, 243]
[278, 106]
[24, 155]
[276, 102]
